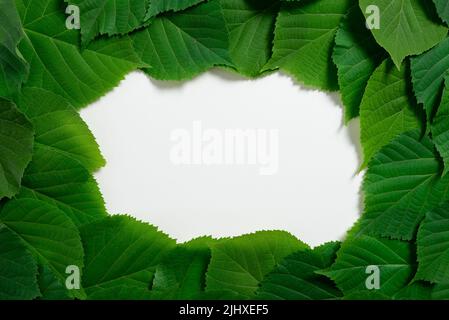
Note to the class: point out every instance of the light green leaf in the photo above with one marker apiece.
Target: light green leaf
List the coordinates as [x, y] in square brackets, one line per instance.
[428, 73]
[13, 68]
[407, 27]
[181, 274]
[160, 6]
[433, 246]
[393, 258]
[63, 182]
[442, 9]
[304, 39]
[121, 256]
[58, 65]
[18, 269]
[109, 17]
[356, 55]
[59, 126]
[47, 232]
[251, 26]
[179, 46]
[387, 109]
[402, 184]
[295, 277]
[240, 264]
[16, 147]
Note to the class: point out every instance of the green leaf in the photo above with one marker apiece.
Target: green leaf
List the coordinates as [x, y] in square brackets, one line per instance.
[356, 55]
[63, 182]
[442, 9]
[18, 268]
[60, 127]
[109, 17]
[219, 295]
[16, 147]
[13, 68]
[433, 246]
[304, 39]
[367, 296]
[441, 291]
[393, 258]
[428, 73]
[181, 274]
[251, 26]
[440, 129]
[179, 46]
[402, 184]
[50, 286]
[407, 27]
[160, 6]
[295, 277]
[47, 232]
[121, 256]
[415, 291]
[241, 263]
[387, 109]
[57, 64]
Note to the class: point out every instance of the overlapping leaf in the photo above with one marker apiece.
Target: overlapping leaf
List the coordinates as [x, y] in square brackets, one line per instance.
[58, 65]
[51, 288]
[441, 291]
[387, 109]
[433, 246]
[181, 274]
[428, 73]
[121, 256]
[304, 37]
[392, 258]
[58, 126]
[61, 181]
[13, 68]
[110, 17]
[402, 183]
[179, 46]
[159, 6]
[440, 129]
[296, 279]
[16, 147]
[18, 268]
[356, 56]
[442, 7]
[251, 26]
[407, 27]
[240, 264]
[47, 232]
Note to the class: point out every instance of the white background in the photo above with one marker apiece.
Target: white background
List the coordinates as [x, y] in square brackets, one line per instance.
[315, 194]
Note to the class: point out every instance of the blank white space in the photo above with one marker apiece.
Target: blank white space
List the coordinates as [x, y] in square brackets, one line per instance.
[315, 194]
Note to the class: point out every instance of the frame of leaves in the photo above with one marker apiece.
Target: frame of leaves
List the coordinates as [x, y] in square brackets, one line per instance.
[52, 214]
